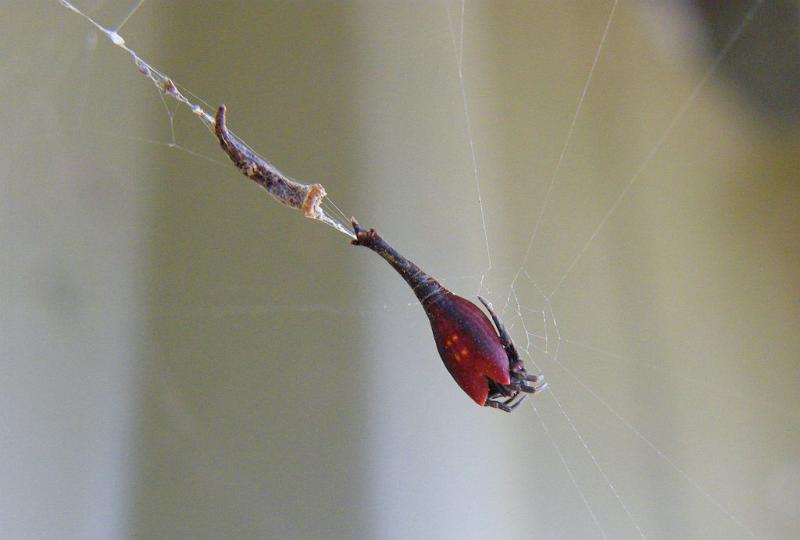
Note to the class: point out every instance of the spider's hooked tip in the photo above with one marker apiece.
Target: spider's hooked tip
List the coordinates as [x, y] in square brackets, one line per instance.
[358, 229]
[219, 119]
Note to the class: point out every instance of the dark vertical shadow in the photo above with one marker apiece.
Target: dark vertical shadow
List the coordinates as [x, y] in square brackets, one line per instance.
[250, 425]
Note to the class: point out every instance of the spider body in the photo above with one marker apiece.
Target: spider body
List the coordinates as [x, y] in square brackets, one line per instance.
[483, 361]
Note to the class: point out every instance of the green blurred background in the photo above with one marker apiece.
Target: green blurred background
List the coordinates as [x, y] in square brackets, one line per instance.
[185, 358]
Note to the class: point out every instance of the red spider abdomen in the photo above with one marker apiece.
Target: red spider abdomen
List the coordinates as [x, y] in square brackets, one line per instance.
[468, 344]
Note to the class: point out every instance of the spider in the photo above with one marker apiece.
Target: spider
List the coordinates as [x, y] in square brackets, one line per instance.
[483, 362]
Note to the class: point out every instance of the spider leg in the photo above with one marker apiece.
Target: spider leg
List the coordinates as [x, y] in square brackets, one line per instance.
[519, 374]
[520, 400]
[501, 330]
[509, 404]
[514, 401]
[521, 377]
[521, 385]
[497, 390]
[498, 405]
[532, 389]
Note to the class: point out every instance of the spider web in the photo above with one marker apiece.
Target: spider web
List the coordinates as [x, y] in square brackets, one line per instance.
[564, 206]
[546, 340]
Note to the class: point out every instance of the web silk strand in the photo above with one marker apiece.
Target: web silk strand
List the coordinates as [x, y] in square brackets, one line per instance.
[712, 69]
[458, 49]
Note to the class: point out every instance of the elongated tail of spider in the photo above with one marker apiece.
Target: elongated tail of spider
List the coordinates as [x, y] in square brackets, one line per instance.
[483, 362]
[304, 197]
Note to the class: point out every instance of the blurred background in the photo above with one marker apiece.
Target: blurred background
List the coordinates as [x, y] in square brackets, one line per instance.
[182, 357]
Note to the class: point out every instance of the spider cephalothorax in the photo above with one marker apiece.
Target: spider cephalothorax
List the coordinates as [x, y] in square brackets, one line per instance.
[518, 388]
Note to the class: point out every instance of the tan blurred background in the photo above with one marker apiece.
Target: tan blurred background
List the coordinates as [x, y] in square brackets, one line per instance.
[185, 358]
